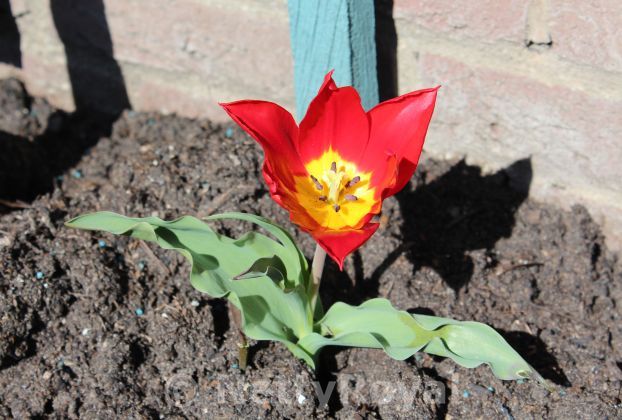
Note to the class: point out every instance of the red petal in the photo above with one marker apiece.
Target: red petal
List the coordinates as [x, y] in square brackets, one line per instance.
[336, 119]
[275, 130]
[338, 245]
[399, 126]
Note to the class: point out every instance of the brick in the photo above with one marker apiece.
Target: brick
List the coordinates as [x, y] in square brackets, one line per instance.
[495, 118]
[223, 43]
[487, 20]
[588, 32]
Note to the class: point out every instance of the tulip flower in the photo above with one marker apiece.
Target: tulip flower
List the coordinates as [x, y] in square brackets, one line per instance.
[333, 171]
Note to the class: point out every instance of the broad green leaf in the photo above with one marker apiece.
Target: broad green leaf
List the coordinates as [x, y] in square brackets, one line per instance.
[377, 324]
[268, 311]
[294, 260]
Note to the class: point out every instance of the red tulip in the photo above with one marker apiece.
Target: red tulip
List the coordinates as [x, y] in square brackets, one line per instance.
[333, 171]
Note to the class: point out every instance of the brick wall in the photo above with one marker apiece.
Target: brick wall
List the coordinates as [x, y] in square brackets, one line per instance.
[525, 78]
[521, 78]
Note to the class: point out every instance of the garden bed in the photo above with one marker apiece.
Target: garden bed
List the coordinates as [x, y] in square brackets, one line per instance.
[97, 326]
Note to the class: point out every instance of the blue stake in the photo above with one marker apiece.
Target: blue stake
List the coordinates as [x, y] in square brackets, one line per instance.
[335, 34]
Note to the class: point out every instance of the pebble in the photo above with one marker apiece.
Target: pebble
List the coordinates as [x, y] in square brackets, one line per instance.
[466, 393]
[562, 392]
[101, 243]
[235, 366]
[229, 132]
[301, 399]
[194, 303]
[39, 275]
[76, 173]
[45, 285]
[491, 390]
[85, 332]
[478, 389]
[139, 311]
[141, 265]
[520, 381]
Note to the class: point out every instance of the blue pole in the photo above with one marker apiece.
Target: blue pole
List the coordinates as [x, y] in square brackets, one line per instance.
[333, 34]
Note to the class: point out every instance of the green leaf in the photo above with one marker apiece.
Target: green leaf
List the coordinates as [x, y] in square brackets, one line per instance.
[377, 324]
[294, 260]
[268, 311]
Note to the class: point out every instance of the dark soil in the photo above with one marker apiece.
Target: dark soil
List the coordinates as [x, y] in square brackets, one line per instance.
[98, 326]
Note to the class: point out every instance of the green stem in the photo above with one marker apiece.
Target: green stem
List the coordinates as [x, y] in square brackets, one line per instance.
[317, 267]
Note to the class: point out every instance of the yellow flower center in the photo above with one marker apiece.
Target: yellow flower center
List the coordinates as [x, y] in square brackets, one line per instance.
[335, 194]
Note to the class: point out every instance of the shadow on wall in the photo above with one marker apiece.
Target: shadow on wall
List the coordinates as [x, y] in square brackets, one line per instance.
[30, 164]
[96, 79]
[10, 52]
[386, 49]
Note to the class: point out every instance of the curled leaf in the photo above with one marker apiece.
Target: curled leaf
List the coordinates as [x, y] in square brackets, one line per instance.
[377, 324]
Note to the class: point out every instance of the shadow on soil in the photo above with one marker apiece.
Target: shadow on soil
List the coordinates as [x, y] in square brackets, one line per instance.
[442, 221]
[29, 165]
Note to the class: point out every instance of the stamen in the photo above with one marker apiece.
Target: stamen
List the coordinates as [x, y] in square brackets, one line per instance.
[322, 198]
[317, 183]
[350, 197]
[337, 207]
[353, 181]
[333, 167]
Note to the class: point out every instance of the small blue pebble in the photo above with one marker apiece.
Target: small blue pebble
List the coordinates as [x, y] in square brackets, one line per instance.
[141, 265]
[138, 311]
[235, 366]
[466, 394]
[562, 392]
[101, 243]
[520, 381]
[491, 390]
[39, 275]
[229, 132]
[77, 174]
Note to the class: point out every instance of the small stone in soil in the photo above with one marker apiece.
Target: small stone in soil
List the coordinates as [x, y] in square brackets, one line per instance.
[194, 303]
[101, 243]
[76, 173]
[466, 393]
[229, 132]
[141, 265]
[39, 275]
[138, 311]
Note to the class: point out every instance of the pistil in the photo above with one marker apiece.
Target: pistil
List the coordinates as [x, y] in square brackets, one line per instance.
[333, 179]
